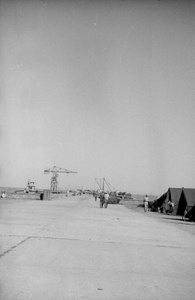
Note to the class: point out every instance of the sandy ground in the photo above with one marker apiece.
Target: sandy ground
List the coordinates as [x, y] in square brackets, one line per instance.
[164, 218]
[69, 248]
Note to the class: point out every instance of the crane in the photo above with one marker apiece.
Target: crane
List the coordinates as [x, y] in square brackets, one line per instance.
[55, 173]
[101, 184]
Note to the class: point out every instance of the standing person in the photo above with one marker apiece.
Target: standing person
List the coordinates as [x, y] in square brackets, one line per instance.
[102, 199]
[184, 215]
[171, 207]
[107, 197]
[146, 203]
[95, 195]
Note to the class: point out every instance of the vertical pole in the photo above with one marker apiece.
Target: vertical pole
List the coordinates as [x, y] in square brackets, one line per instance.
[51, 183]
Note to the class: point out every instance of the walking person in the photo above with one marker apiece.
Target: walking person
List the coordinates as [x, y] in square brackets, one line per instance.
[184, 215]
[107, 197]
[146, 203]
[102, 199]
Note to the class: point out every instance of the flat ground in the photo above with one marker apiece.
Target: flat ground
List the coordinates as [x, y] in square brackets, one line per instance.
[164, 218]
[69, 248]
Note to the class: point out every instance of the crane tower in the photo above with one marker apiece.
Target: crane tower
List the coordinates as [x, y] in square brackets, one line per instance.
[55, 173]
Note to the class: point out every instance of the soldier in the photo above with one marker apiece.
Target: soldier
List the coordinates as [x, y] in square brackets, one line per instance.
[171, 207]
[102, 199]
[95, 195]
[146, 203]
[107, 197]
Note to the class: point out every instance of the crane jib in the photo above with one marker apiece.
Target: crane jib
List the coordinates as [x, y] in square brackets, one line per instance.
[55, 173]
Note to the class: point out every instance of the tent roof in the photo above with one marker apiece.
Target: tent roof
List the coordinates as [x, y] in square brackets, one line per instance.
[190, 196]
[158, 202]
[174, 194]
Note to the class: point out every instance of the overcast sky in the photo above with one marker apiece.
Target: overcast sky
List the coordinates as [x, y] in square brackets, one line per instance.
[104, 88]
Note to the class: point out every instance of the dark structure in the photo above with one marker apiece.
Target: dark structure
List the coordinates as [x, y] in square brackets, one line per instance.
[183, 199]
[186, 202]
[173, 194]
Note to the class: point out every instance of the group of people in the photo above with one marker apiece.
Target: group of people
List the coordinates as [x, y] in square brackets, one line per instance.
[170, 203]
[104, 198]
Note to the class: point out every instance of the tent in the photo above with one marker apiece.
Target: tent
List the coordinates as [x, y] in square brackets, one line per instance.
[186, 201]
[159, 202]
[191, 214]
[172, 194]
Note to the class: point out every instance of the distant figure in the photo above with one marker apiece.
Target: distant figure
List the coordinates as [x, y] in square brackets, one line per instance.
[189, 214]
[102, 199]
[95, 195]
[106, 197]
[184, 215]
[3, 195]
[146, 203]
[171, 207]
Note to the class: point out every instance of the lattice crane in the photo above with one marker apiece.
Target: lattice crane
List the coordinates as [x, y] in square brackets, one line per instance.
[101, 182]
[55, 173]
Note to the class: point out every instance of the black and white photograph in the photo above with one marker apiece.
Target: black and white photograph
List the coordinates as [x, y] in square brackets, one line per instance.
[97, 133]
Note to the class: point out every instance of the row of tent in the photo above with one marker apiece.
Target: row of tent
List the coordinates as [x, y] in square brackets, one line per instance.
[183, 199]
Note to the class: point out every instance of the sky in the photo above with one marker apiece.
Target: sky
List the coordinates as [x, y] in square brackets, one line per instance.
[103, 88]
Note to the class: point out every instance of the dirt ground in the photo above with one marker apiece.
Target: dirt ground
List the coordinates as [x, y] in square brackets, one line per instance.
[69, 248]
[164, 218]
